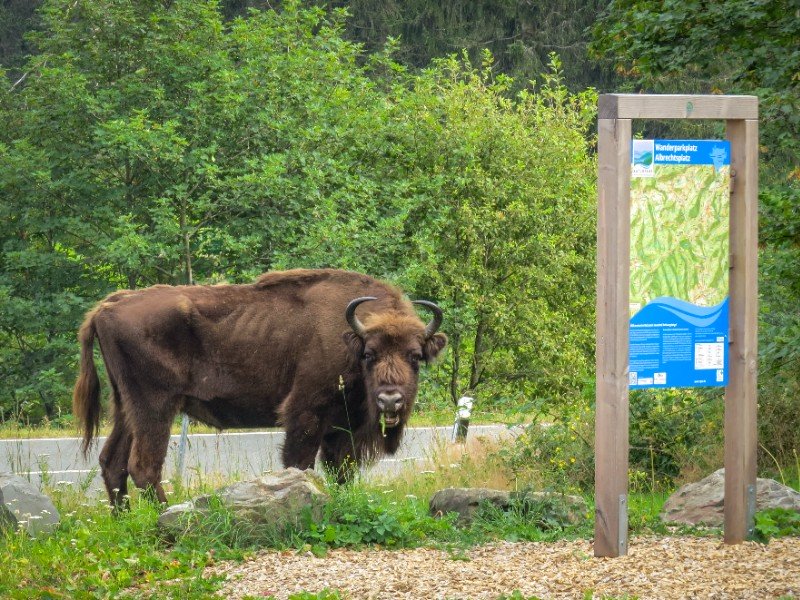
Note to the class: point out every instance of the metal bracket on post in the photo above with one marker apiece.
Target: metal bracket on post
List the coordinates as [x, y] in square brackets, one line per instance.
[751, 511]
[623, 525]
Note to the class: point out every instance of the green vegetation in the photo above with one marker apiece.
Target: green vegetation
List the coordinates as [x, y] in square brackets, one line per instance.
[198, 141]
[93, 554]
[170, 146]
[776, 522]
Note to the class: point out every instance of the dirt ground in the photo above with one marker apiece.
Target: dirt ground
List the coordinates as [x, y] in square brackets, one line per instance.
[658, 568]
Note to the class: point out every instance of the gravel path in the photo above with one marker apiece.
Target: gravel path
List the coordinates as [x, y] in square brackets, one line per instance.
[655, 568]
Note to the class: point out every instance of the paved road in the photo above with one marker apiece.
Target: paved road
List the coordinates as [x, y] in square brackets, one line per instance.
[209, 455]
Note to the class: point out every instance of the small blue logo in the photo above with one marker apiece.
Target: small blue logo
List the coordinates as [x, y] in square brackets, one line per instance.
[718, 157]
[643, 157]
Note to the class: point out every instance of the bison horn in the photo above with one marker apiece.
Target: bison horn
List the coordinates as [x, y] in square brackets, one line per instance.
[350, 314]
[433, 326]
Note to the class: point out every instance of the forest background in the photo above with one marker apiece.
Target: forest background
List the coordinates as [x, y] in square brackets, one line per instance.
[446, 146]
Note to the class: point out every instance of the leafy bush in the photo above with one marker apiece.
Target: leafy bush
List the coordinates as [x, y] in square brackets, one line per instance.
[557, 455]
[779, 322]
[673, 435]
[776, 522]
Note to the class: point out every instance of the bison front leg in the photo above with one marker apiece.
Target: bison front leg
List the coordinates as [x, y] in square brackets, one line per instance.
[303, 437]
[339, 455]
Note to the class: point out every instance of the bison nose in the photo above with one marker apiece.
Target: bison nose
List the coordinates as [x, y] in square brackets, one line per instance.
[390, 401]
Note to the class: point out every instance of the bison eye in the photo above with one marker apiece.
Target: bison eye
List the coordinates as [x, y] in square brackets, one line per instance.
[369, 357]
[414, 359]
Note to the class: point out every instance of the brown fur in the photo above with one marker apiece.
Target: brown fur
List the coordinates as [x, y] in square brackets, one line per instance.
[278, 351]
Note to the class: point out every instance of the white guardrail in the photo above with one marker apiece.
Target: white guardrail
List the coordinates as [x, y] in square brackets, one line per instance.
[208, 455]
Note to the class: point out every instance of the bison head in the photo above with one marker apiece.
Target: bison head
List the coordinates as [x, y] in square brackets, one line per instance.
[389, 347]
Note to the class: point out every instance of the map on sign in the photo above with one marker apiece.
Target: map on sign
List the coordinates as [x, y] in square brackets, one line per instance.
[679, 263]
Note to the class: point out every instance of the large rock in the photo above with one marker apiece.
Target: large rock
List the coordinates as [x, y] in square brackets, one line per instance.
[23, 506]
[545, 506]
[465, 502]
[278, 498]
[703, 502]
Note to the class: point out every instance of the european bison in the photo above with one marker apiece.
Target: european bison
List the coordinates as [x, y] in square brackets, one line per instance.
[288, 349]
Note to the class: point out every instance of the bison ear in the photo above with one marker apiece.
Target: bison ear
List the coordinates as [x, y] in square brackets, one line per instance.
[434, 345]
[355, 345]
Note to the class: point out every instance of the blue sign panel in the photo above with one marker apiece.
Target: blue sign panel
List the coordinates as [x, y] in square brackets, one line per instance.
[679, 263]
[677, 344]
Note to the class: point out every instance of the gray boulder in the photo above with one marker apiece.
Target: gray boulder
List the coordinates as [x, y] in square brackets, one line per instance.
[277, 498]
[465, 502]
[550, 507]
[703, 502]
[22, 505]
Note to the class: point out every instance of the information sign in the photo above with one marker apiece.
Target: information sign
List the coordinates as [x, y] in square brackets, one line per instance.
[679, 263]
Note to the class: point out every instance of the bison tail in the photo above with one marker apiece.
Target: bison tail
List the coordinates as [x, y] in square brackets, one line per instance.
[86, 394]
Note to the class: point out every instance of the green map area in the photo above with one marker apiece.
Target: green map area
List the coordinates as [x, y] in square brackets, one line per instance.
[679, 235]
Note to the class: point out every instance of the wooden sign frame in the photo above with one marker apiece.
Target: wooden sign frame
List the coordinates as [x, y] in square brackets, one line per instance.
[615, 112]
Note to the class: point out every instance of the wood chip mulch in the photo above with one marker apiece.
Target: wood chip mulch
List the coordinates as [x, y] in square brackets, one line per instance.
[658, 568]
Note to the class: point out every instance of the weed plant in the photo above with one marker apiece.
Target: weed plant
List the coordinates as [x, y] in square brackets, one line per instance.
[93, 554]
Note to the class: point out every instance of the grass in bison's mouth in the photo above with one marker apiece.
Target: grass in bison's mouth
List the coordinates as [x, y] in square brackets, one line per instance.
[390, 419]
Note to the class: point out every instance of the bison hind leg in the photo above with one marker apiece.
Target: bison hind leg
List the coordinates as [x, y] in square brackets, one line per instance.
[114, 463]
[149, 450]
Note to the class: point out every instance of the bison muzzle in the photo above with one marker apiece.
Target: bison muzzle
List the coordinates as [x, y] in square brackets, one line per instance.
[289, 349]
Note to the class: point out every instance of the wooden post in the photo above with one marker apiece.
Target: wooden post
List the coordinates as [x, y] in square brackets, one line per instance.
[613, 292]
[740, 394]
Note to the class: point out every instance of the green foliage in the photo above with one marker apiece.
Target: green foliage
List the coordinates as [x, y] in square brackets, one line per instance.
[779, 321]
[558, 455]
[492, 246]
[95, 555]
[674, 434]
[776, 522]
[358, 516]
[167, 146]
[528, 518]
[723, 46]
[520, 34]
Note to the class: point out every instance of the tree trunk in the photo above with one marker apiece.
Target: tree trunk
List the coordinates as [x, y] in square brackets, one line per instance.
[187, 249]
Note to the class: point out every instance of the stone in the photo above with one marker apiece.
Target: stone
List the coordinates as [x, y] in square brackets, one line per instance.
[702, 502]
[179, 517]
[465, 502]
[556, 508]
[279, 498]
[565, 509]
[22, 505]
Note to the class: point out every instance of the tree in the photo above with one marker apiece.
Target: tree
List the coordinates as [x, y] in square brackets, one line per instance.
[722, 46]
[506, 236]
[149, 144]
[154, 142]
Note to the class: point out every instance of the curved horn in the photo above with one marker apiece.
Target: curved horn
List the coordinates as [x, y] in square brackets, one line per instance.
[350, 314]
[433, 326]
